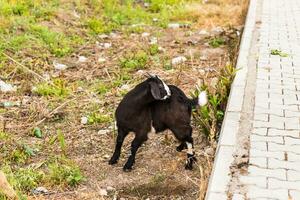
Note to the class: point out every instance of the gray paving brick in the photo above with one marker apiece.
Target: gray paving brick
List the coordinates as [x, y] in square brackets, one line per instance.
[256, 192]
[279, 184]
[274, 173]
[267, 154]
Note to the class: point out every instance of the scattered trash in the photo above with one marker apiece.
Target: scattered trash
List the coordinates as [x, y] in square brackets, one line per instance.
[37, 132]
[101, 60]
[8, 104]
[59, 66]
[155, 20]
[103, 192]
[84, 120]
[103, 132]
[113, 35]
[82, 59]
[153, 40]
[125, 87]
[145, 34]
[6, 87]
[174, 25]
[203, 98]
[5, 187]
[178, 60]
[104, 45]
[40, 190]
[146, 5]
[161, 49]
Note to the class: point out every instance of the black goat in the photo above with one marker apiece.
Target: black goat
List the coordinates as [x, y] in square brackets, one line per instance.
[153, 104]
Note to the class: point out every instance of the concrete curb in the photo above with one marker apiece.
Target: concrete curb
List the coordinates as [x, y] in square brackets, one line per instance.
[220, 176]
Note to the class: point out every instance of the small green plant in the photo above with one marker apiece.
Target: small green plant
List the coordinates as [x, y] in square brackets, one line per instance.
[209, 117]
[134, 61]
[278, 53]
[97, 118]
[64, 172]
[58, 88]
[216, 42]
[154, 49]
[23, 179]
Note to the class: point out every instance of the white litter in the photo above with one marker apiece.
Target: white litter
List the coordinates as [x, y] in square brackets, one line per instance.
[59, 66]
[6, 87]
[174, 25]
[84, 120]
[103, 192]
[178, 60]
[202, 98]
[101, 60]
[82, 59]
[153, 40]
[145, 34]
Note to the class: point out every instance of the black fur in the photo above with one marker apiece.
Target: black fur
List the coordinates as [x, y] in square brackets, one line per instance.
[139, 109]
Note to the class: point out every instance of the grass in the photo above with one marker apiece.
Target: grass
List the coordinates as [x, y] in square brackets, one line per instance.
[58, 88]
[134, 60]
[277, 52]
[216, 42]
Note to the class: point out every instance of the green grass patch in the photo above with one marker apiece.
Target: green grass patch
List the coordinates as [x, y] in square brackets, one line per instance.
[216, 42]
[58, 88]
[277, 52]
[134, 61]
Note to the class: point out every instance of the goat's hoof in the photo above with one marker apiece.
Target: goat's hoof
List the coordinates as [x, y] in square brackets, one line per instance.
[189, 165]
[112, 161]
[127, 168]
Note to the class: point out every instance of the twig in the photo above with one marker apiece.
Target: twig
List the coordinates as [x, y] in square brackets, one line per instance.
[31, 71]
[53, 111]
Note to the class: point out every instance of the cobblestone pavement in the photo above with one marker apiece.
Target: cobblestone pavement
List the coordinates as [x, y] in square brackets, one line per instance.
[274, 157]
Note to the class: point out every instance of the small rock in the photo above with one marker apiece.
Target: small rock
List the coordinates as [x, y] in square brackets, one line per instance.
[40, 190]
[178, 60]
[153, 40]
[202, 72]
[101, 60]
[113, 35]
[214, 82]
[103, 132]
[6, 87]
[146, 5]
[203, 58]
[82, 59]
[160, 49]
[109, 188]
[125, 87]
[203, 32]
[84, 120]
[209, 151]
[107, 45]
[106, 156]
[103, 192]
[122, 198]
[59, 66]
[174, 25]
[155, 20]
[103, 36]
[192, 42]
[145, 34]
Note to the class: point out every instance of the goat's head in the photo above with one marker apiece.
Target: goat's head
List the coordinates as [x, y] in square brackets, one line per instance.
[158, 88]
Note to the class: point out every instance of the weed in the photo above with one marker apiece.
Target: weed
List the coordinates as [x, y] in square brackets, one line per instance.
[23, 179]
[209, 117]
[134, 61]
[96, 118]
[216, 42]
[153, 49]
[278, 53]
[63, 171]
[58, 88]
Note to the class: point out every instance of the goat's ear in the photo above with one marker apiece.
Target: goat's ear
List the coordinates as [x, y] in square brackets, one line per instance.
[155, 90]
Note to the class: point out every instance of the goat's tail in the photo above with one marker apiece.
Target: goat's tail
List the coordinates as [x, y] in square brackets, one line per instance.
[201, 100]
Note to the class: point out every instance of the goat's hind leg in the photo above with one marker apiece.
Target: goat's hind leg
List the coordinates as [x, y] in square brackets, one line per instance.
[190, 153]
[181, 146]
[136, 143]
[120, 139]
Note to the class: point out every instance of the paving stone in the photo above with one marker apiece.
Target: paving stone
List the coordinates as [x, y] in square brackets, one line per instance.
[267, 154]
[294, 194]
[258, 161]
[255, 171]
[279, 184]
[256, 192]
[279, 164]
[293, 175]
[259, 181]
[278, 132]
[258, 138]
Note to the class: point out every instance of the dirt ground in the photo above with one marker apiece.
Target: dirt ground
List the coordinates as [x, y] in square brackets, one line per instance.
[159, 169]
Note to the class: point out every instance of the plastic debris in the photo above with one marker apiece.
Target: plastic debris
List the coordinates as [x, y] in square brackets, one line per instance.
[7, 104]
[178, 60]
[82, 59]
[84, 120]
[40, 190]
[59, 66]
[153, 40]
[101, 60]
[174, 25]
[145, 34]
[6, 87]
[103, 192]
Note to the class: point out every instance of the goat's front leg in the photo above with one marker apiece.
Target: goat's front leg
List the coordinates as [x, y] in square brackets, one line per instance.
[181, 146]
[136, 143]
[190, 154]
[120, 139]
